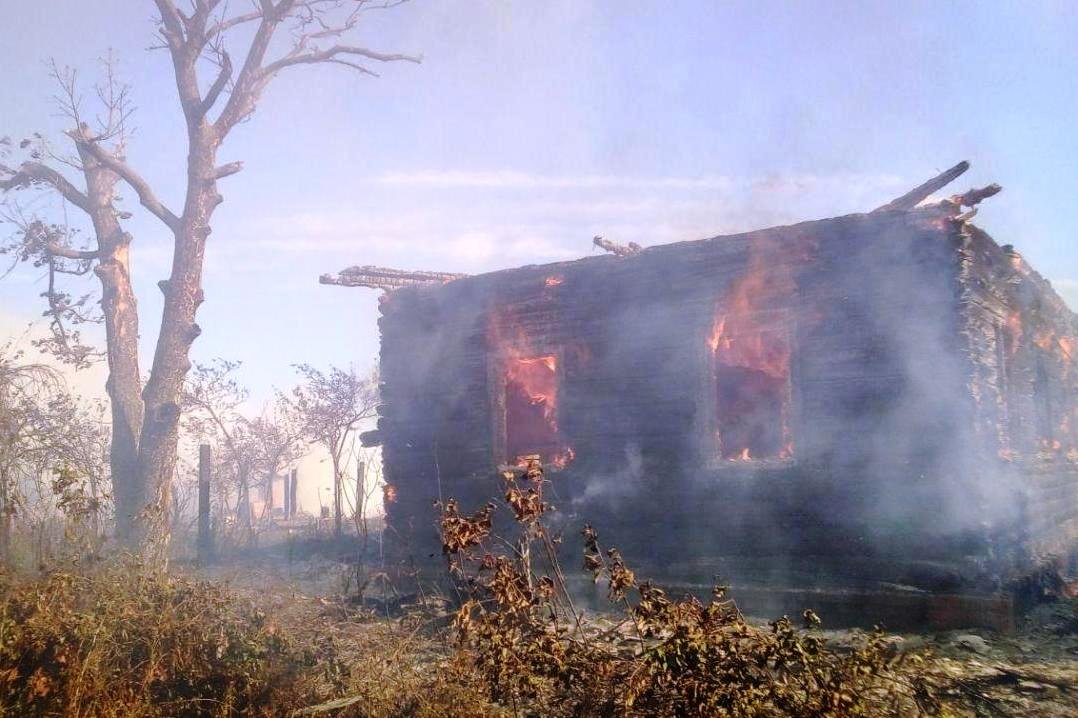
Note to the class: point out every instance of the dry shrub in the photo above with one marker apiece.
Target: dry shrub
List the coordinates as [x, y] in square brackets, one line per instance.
[538, 656]
[127, 642]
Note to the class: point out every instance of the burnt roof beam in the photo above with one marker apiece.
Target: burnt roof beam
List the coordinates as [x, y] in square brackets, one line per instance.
[385, 278]
[920, 193]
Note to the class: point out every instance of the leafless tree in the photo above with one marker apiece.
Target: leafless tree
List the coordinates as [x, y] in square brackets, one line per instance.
[215, 94]
[359, 498]
[52, 450]
[248, 450]
[211, 403]
[331, 407]
[277, 442]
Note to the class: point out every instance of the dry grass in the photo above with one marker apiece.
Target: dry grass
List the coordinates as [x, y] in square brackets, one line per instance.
[129, 642]
[126, 642]
[121, 640]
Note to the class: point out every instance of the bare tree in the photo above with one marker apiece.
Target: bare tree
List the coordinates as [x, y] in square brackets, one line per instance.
[331, 407]
[202, 38]
[211, 403]
[277, 442]
[250, 451]
[52, 450]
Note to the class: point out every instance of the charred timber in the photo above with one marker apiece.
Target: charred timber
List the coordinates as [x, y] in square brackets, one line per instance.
[385, 278]
[371, 438]
[618, 250]
[920, 193]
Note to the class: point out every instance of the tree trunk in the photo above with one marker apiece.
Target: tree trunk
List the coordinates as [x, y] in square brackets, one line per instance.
[6, 511]
[338, 528]
[120, 311]
[124, 384]
[171, 362]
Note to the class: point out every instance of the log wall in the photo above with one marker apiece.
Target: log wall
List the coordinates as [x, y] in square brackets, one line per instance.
[894, 406]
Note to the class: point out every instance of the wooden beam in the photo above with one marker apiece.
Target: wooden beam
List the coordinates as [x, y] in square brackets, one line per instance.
[918, 194]
[385, 278]
[619, 250]
[975, 196]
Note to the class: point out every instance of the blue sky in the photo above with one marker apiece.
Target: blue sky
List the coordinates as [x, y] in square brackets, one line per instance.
[532, 126]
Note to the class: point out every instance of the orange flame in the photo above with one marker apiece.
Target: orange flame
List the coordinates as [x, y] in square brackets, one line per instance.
[553, 280]
[536, 379]
[563, 458]
[752, 367]
[1066, 345]
[531, 384]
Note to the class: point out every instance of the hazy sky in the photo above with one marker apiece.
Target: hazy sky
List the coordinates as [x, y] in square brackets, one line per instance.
[532, 126]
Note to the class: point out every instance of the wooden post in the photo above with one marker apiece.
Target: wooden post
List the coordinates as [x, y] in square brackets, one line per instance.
[244, 503]
[287, 496]
[338, 487]
[292, 506]
[205, 538]
[361, 494]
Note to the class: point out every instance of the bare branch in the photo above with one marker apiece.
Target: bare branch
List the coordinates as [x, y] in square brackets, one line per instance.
[331, 54]
[354, 65]
[226, 24]
[171, 20]
[69, 253]
[35, 172]
[146, 195]
[226, 170]
[218, 85]
[242, 100]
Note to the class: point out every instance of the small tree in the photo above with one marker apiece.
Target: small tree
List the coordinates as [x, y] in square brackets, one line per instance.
[211, 401]
[330, 407]
[248, 450]
[53, 451]
[277, 442]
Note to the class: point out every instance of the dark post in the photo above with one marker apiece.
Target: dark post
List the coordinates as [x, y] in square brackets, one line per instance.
[361, 494]
[292, 506]
[286, 502]
[205, 538]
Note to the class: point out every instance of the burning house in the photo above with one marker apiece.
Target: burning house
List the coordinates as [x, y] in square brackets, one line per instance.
[861, 403]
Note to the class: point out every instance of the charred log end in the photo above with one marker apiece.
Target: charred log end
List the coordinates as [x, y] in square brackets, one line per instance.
[920, 193]
[976, 195]
[370, 439]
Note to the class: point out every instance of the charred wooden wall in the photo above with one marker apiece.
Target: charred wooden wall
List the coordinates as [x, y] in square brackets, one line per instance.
[890, 404]
[1024, 378]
